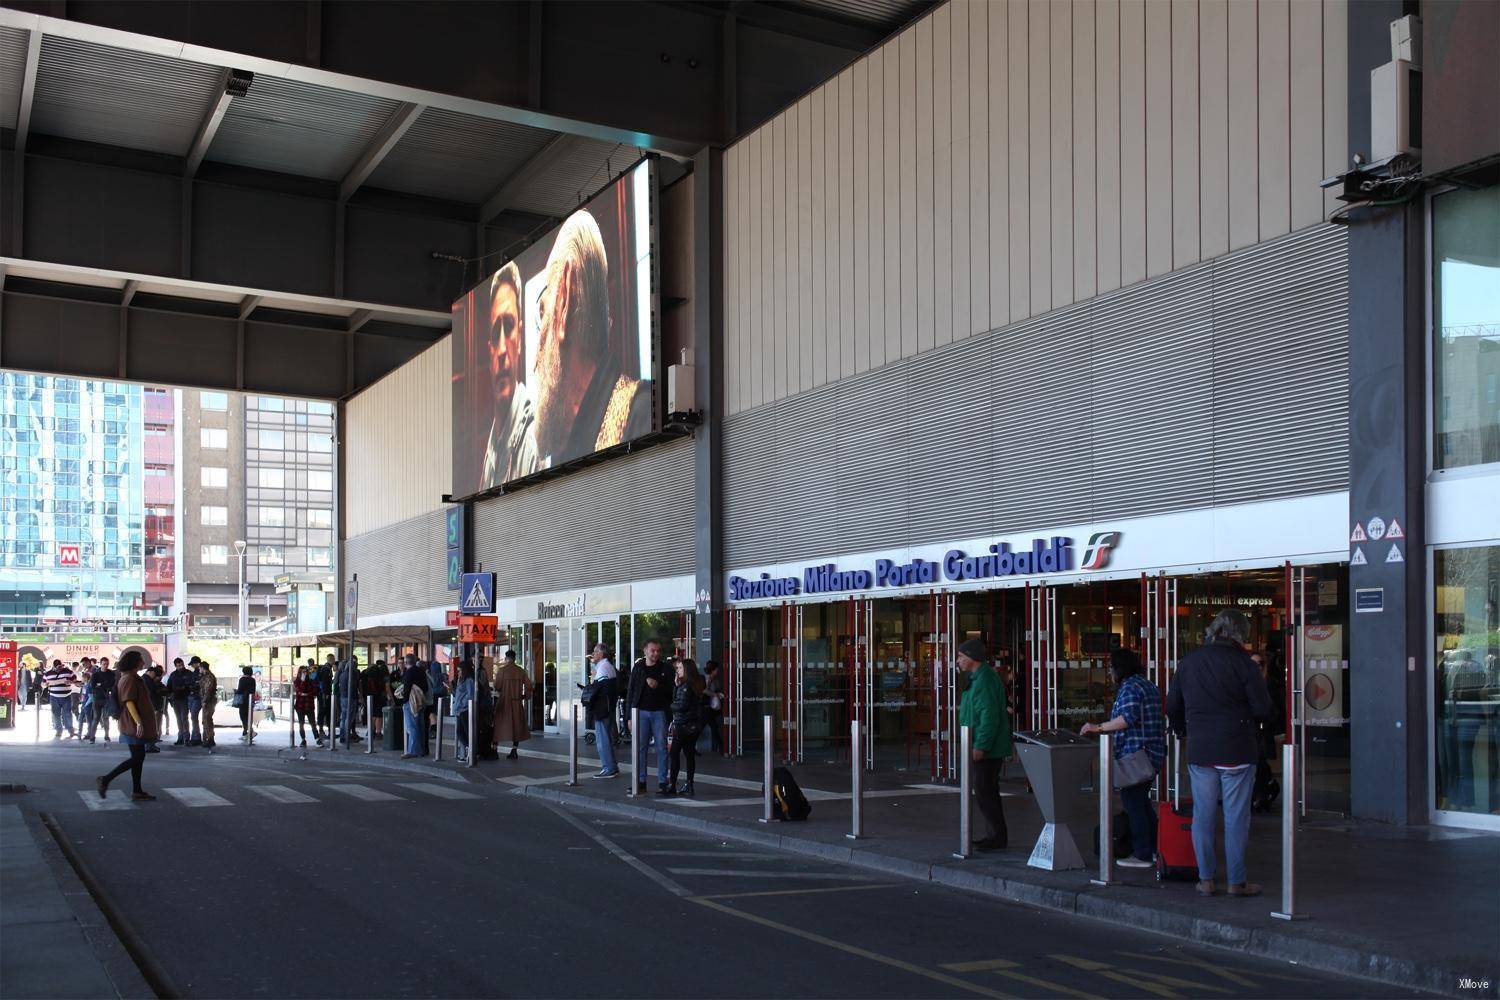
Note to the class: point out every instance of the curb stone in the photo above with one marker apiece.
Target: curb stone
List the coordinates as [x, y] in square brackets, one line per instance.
[1314, 953]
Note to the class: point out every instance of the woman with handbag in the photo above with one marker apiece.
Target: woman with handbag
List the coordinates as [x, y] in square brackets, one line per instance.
[305, 704]
[686, 726]
[244, 700]
[1139, 750]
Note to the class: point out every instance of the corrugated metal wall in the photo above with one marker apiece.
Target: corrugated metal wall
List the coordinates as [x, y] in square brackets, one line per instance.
[627, 519]
[398, 441]
[401, 567]
[1221, 383]
[999, 160]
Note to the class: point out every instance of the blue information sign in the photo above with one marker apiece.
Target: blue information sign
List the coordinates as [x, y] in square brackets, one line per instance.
[454, 530]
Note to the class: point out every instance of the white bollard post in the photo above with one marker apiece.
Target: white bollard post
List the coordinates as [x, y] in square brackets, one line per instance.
[856, 786]
[1106, 813]
[965, 794]
[38, 694]
[637, 752]
[369, 723]
[766, 768]
[573, 748]
[1290, 793]
[437, 743]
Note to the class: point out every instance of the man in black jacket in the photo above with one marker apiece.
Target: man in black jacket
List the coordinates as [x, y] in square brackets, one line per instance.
[1216, 701]
[181, 686]
[651, 692]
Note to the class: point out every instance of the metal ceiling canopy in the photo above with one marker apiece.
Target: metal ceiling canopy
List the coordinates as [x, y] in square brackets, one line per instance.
[204, 291]
[457, 157]
[888, 15]
[203, 64]
[13, 46]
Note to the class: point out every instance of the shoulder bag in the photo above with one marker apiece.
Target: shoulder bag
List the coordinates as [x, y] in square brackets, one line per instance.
[1132, 769]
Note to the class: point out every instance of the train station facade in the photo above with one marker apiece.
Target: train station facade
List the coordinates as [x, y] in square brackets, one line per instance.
[1035, 324]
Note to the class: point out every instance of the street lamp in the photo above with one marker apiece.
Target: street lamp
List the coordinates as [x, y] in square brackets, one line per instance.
[239, 550]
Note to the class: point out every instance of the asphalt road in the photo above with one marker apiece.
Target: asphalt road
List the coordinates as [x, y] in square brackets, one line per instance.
[249, 878]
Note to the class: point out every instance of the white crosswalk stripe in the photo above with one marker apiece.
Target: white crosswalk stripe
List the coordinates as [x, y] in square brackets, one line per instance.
[437, 791]
[118, 799]
[197, 798]
[365, 793]
[280, 793]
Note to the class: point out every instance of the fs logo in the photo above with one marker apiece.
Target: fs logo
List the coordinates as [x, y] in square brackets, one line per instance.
[1101, 544]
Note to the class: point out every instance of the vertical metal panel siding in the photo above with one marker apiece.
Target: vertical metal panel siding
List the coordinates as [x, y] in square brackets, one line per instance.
[401, 567]
[398, 436]
[630, 518]
[1222, 383]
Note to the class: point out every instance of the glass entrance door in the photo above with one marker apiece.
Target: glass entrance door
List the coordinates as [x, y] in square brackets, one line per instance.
[552, 638]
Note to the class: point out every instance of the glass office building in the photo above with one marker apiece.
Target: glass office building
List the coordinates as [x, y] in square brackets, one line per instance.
[72, 497]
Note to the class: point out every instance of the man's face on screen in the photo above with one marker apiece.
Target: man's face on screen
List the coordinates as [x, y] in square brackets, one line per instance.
[505, 341]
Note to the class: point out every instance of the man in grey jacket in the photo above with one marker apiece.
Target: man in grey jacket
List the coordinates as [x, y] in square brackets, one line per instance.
[1216, 700]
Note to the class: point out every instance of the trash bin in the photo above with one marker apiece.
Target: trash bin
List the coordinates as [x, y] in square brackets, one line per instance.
[390, 718]
[1059, 765]
[7, 713]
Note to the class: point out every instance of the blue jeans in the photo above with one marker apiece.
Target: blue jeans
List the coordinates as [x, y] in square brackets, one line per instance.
[653, 726]
[195, 707]
[62, 713]
[1210, 785]
[606, 745]
[416, 731]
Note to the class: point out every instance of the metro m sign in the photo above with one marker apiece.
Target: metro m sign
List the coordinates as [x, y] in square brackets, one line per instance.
[67, 555]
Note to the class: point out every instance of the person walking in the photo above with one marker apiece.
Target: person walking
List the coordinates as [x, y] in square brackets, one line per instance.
[650, 692]
[208, 700]
[58, 681]
[101, 700]
[1215, 702]
[138, 729]
[413, 698]
[983, 711]
[512, 696]
[181, 685]
[23, 687]
[304, 704]
[713, 706]
[599, 703]
[686, 725]
[244, 693]
[85, 702]
[1137, 717]
[463, 702]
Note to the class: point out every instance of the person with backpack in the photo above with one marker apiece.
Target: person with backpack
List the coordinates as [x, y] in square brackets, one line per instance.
[414, 697]
[137, 727]
[181, 686]
[686, 725]
[101, 700]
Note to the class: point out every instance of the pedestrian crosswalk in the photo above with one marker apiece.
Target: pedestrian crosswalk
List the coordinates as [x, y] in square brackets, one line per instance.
[119, 799]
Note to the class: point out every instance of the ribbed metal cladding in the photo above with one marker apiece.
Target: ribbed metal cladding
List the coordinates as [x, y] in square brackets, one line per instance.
[455, 156]
[402, 567]
[1281, 368]
[299, 128]
[589, 165]
[1223, 383]
[96, 93]
[883, 13]
[13, 42]
[1152, 396]
[627, 519]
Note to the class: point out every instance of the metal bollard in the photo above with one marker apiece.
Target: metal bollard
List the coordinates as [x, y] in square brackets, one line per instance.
[333, 722]
[965, 794]
[369, 723]
[291, 726]
[437, 743]
[1290, 792]
[473, 711]
[637, 751]
[766, 768]
[38, 715]
[1106, 813]
[573, 748]
[856, 786]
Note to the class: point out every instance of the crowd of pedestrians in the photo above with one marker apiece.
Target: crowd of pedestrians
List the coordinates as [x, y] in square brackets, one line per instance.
[84, 697]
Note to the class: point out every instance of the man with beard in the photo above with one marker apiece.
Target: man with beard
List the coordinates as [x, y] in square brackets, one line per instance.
[511, 450]
[585, 401]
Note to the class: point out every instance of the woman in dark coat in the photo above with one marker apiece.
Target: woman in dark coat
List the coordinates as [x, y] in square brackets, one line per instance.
[685, 726]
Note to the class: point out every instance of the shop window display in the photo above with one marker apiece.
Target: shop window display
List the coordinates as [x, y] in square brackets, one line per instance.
[1466, 665]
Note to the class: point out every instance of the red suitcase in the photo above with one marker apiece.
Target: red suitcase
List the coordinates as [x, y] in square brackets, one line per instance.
[1175, 858]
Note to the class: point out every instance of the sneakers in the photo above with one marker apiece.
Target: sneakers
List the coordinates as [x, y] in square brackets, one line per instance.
[513, 755]
[608, 774]
[1134, 862]
[1245, 889]
[686, 789]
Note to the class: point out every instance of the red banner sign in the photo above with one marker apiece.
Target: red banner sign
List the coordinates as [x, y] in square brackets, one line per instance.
[477, 628]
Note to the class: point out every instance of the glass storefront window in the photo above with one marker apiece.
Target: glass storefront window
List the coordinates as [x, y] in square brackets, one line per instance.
[1466, 327]
[1466, 630]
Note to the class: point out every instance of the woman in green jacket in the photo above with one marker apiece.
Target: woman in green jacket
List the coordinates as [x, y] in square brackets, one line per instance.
[983, 711]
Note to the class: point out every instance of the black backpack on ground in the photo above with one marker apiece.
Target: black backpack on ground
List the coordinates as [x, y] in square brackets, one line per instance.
[1124, 843]
[787, 800]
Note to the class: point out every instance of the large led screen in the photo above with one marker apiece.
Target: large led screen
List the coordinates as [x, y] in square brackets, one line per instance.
[554, 354]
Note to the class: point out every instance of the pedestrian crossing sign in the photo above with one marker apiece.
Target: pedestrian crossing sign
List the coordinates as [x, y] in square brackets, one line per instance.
[479, 594]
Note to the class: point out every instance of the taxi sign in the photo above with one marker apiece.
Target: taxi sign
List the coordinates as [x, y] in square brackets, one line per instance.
[477, 628]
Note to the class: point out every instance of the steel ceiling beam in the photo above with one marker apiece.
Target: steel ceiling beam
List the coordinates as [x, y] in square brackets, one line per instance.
[28, 89]
[128, 294]
[680, 149]
[385, 140]
[359, 319]
[542, 160]
[249, 304]
[230, 86]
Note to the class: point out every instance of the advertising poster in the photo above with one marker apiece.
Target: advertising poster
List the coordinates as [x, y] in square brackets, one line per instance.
[36, 652]
[1323, 688]
[554, 353]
